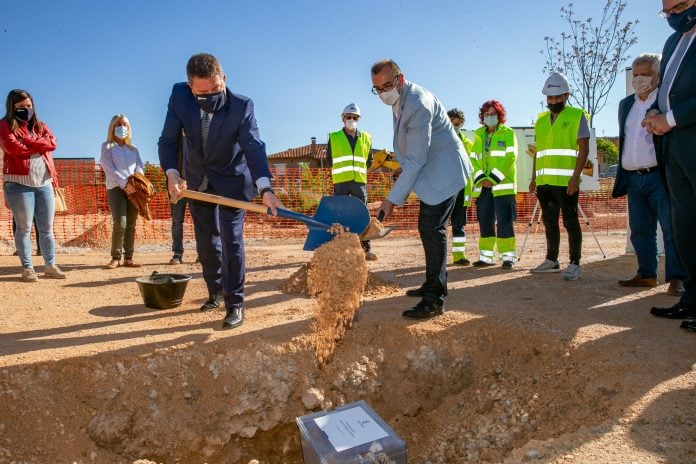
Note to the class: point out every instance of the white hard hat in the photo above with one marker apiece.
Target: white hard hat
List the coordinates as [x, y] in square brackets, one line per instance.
[352, 108]
[556, 84]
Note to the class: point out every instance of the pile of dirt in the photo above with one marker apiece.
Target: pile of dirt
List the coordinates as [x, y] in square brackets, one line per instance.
[94, 237]
[337, 275]
[297, 283]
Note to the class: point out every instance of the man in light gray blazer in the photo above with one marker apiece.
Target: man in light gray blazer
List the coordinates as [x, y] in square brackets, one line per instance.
[434, 165]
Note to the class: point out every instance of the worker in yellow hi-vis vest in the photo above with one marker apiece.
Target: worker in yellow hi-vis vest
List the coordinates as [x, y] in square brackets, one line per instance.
[562, 140]
[463, 201]
[349, 156]
[495, 186]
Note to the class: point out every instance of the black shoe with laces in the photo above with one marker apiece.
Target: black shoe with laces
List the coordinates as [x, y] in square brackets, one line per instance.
[213, 302]
[425, 309]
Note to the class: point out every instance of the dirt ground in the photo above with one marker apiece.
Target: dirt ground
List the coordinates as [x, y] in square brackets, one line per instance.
[520, 368]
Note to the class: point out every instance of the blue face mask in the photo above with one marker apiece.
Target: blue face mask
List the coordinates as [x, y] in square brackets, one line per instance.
[684, 21]
[121, 132]
[211, 102]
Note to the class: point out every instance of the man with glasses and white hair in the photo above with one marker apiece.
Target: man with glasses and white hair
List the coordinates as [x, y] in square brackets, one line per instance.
[434, 165]
[673, 121]
[348, 154]
[640, 178]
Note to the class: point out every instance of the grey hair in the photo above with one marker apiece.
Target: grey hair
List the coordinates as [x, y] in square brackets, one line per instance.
[652, 58]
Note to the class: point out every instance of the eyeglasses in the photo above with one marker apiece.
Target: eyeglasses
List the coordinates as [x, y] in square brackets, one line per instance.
[386, 87]
[678, 8]
[351, 117]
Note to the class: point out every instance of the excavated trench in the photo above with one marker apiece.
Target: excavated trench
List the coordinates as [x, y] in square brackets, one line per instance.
[459, 389]
[470, 392]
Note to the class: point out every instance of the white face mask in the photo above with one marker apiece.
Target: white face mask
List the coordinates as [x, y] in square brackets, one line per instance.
[491, 120]
[642, 84]
[351, 124]
[121, 132]
[390, 97]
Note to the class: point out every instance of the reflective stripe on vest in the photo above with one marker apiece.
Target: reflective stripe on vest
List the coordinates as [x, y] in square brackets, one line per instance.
[557, 146]
[348, 165]
[499, 165]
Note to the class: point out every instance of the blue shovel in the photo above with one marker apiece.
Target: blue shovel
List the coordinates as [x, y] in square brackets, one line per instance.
[349, 212]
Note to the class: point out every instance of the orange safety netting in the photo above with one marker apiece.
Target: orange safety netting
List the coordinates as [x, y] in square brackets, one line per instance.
[88, 221]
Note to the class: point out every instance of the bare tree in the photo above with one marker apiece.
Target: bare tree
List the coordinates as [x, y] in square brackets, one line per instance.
[591, 55]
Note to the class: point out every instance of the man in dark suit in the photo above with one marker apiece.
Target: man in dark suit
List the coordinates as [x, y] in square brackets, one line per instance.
[673, 121]
[225, 156]
[639, 176]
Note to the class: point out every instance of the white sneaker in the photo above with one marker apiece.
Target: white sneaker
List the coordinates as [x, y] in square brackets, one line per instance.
[547, 266]
[572, 272]
[54, 272]
[28, 275]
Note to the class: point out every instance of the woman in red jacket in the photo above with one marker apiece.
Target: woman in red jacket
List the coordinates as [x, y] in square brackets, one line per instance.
[29, 175]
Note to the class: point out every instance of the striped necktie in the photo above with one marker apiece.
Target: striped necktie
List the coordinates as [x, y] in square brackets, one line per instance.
[205, 127]
[667, 80]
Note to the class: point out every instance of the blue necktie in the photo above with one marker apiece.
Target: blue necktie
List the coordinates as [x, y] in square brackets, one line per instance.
[205, 127]
[670, 72]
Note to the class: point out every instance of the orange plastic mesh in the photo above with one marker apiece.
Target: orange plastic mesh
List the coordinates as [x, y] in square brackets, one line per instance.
[88, 221]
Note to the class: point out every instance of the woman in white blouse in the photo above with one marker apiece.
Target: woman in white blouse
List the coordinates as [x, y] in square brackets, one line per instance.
[120, 159]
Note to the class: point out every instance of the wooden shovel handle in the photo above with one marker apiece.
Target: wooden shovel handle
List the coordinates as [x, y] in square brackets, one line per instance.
[217, 199]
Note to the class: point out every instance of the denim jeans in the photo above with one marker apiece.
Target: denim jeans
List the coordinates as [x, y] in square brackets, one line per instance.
[28, 204]
[648, 204]
[554, 199]
[178, 211]
[432, 227]
[124, 214]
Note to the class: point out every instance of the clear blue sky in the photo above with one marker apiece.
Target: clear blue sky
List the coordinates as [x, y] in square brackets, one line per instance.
[300, 61]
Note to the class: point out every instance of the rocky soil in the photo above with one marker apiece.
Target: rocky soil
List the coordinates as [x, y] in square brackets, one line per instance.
[520, 368]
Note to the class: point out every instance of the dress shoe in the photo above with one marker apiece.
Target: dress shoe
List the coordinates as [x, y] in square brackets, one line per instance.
[676, 287]
[678, 311]
[689, 325]
[233, 318]
[639, 281]
[425, 309]
[213, 302]
[480, 263]
[418, 292]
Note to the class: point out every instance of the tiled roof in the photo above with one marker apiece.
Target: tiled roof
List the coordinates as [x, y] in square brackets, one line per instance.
[316, 151]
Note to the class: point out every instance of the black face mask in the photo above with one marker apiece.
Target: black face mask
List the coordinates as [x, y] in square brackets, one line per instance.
[556, 107]
[24, 114]
[684, 21]
[211, 102]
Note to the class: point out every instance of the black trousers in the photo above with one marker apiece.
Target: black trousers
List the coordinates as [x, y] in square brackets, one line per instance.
[359, 191]
[681, 179]
[458, 219]
[432, 227]
[554, 199]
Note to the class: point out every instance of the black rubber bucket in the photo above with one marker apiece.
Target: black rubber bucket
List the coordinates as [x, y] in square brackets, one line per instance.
[162, 291]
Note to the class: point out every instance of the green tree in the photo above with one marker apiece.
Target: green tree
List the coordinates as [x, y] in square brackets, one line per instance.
[608, 147]
[591, 54]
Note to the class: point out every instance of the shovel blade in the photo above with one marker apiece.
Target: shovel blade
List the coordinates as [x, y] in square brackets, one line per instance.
[347, 211]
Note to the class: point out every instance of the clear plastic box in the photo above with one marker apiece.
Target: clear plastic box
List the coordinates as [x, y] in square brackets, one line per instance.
[350, 434]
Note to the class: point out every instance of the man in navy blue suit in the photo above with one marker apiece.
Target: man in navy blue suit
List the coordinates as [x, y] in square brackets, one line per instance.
[225, 156]
[673, 121]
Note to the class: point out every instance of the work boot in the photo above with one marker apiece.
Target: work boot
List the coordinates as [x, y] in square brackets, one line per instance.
[370, 256]
[213, 302]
